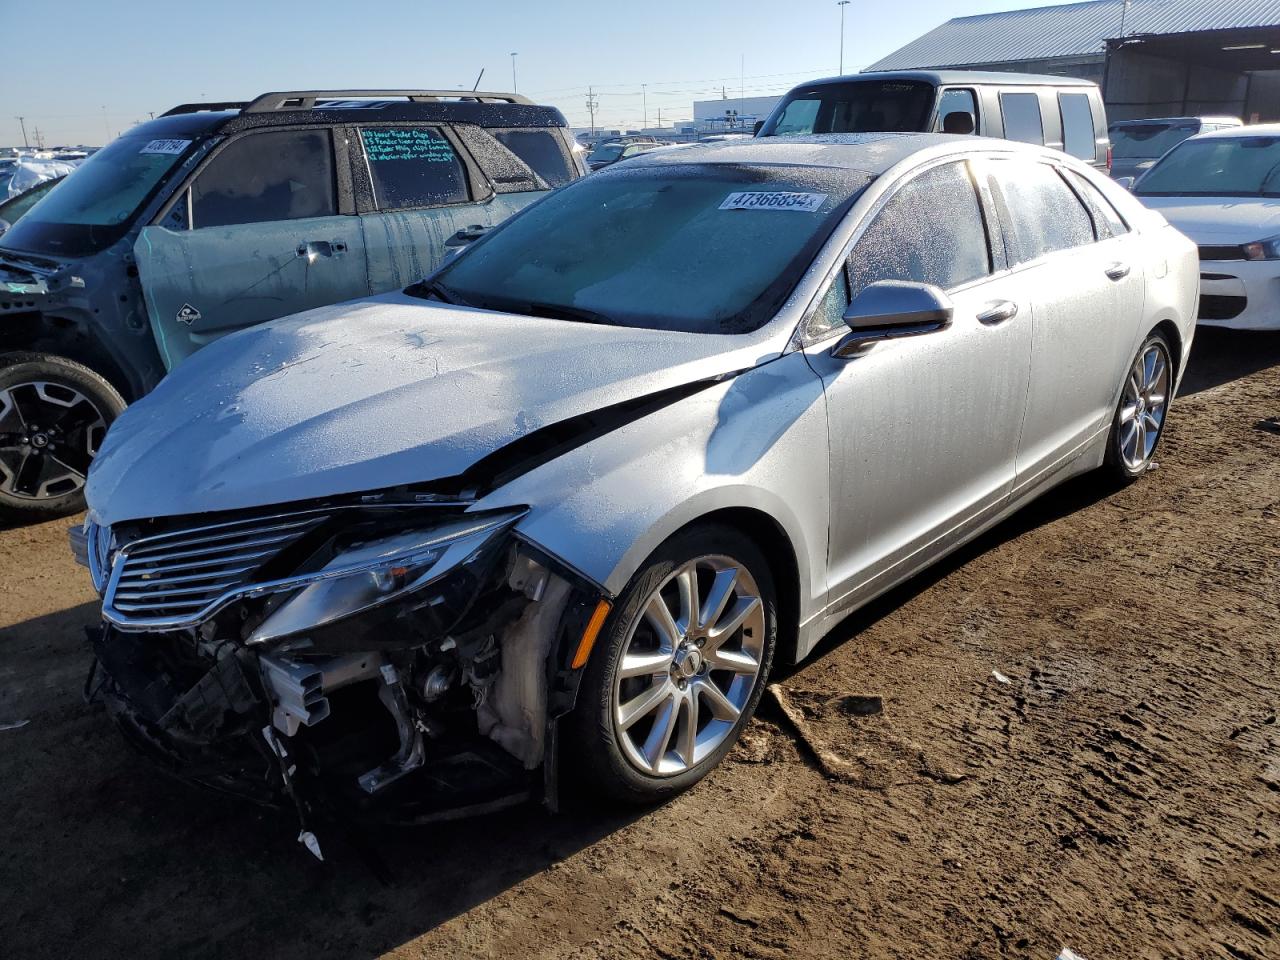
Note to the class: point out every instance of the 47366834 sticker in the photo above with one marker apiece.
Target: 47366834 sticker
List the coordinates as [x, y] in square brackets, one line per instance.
[761, 200]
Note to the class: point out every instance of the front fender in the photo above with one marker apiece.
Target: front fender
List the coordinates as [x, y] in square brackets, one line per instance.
[757, 441]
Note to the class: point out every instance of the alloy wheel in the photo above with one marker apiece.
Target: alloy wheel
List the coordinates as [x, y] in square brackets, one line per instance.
[49, 433]
[1142, 411]
[689, 665]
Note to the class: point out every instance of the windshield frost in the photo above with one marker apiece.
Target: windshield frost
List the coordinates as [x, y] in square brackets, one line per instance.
[1217, 166]
[693, 248]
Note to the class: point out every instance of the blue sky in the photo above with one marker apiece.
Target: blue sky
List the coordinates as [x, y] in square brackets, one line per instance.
[90, 67]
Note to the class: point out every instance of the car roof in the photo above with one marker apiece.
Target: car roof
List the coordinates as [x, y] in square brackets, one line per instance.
[867, 153]
[1253, 130]
[946, 77]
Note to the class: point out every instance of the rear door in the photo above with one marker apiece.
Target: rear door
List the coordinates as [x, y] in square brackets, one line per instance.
[261, 231]
[1086, 300]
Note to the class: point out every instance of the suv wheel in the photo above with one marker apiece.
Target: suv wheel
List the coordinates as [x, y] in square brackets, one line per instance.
[53, 415]
[680, 668]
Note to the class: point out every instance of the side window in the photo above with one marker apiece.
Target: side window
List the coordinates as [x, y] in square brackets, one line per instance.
[1107, 222]
[412, 167]
[828, 315]
[957, 101]
[1077, 125]
[1021, 112]
[1042, 213]
[798, 117]
[541, 150]
[283, 175]
[930, 231]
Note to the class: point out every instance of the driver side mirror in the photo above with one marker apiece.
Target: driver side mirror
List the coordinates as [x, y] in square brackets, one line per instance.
[960, 122]
[890, 310]
[756, 129]
[1126, 182]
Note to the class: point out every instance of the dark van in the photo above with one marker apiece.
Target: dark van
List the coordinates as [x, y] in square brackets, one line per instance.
[1059, 112]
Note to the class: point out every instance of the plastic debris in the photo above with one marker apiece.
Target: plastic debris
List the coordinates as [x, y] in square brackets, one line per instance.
[1069, 954]
[308, 840]
[1000, 677]
[13, 724]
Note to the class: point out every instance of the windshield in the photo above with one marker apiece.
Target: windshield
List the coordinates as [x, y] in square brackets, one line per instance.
[606, 151]
[96, 204]
[1147, 141]
[696, 248]
[860, 106]
[1217, 167]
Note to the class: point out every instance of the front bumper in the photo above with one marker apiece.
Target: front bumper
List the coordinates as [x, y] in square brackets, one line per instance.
[1240, 294]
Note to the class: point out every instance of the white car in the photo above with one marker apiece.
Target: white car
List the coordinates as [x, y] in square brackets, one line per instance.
[1222, 189]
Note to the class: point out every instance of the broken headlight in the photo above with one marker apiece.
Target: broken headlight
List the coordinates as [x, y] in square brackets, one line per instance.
[373, 573]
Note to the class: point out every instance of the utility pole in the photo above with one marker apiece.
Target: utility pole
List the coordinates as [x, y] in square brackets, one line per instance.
[106, 127]
[659, 118]
[514, 88]
[644, 94]
[592, 104]
[842, 4]
[22, 121]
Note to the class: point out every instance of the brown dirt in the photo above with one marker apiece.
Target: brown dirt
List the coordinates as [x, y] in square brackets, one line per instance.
[1119, 795]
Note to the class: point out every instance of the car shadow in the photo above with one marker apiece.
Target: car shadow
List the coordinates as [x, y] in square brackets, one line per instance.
[98, 843]
[1219, 356]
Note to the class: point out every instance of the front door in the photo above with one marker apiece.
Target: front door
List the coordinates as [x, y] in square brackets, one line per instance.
[257, 235]
[924, 430]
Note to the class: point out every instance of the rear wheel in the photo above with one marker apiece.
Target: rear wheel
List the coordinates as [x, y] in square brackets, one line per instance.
[1140, 416]
[53, 415]
[680, 668]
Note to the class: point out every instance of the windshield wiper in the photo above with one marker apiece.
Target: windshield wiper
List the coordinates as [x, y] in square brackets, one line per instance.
[434, 288]
[554, 311]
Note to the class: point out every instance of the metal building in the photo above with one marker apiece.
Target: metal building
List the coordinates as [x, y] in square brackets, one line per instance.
[1152, 57]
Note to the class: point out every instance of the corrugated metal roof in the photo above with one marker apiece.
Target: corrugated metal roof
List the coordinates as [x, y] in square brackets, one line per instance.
[1073, 29]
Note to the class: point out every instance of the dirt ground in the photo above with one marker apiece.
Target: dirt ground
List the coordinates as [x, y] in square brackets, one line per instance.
[1115, 789]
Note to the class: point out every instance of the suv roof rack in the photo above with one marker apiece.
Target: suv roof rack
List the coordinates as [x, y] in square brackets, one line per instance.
[205, 107]
[306, 99]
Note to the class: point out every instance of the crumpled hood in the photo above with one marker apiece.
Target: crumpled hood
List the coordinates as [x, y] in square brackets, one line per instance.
[371, 394]
[1220, 220]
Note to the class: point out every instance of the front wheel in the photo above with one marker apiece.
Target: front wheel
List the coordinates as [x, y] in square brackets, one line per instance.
[680, 668]
[1139, 419]
[53, 415]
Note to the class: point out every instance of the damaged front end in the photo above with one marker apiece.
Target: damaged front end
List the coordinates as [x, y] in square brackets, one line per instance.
[402, 662]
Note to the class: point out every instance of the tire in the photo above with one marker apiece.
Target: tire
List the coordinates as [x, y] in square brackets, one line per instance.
[1144, 408]
[624, 762]
[43, 465]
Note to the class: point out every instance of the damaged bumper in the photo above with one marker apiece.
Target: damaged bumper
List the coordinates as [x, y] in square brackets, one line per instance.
[400, 665]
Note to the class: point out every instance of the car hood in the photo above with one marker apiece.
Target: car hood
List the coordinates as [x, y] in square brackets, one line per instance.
[1220, 220]
[372, 394]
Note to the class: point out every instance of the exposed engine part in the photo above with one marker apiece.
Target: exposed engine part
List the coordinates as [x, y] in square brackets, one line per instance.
[298, 687]
[410, 755]
[515, 711]
[436, 683]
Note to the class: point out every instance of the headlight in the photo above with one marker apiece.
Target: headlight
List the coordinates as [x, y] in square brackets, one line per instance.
[380, 571]
[1268, 249]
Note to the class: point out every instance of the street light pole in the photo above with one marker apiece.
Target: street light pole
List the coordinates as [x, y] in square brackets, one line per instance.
[514, 88]
[22, 121]
[644, 94]
[842, 4]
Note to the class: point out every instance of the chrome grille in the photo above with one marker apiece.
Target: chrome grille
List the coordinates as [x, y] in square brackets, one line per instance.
[177, 578]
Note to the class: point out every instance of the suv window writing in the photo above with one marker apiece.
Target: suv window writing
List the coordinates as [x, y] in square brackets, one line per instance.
[264, 177]
[412, 167]
[1077, 125]
[1235, 166]
[541, 150]
[94, 208]
[930, 231]
[637, 248]
[1041, 211]
[860, 106]
[957, 101]
[1022, 119]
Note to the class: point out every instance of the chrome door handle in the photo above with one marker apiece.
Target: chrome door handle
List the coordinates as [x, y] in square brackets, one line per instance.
[313, 250]
[1118, 270]
[998, 311]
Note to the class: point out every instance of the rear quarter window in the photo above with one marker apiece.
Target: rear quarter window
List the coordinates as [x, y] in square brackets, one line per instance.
[541, 150]
[1077, 125]
[1022, 120]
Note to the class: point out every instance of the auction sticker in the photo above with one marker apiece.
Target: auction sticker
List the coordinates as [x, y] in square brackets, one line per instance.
[803, 202]
[166, 146]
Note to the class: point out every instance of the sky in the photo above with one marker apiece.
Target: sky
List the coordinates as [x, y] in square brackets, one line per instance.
[91, 69]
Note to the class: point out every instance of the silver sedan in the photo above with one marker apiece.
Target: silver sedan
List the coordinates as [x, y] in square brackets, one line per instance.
[560, 506]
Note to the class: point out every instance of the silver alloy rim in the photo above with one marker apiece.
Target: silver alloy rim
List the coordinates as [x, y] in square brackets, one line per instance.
[689, 665]
[48, 434]
[1146, 398]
